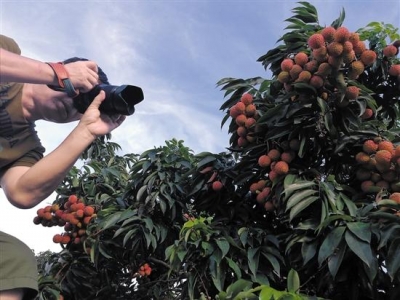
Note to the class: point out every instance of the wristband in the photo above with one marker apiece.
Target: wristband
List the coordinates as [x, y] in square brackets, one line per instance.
[65, 84]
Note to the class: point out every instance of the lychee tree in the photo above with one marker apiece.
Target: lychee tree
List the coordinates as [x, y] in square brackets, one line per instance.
[304, 204]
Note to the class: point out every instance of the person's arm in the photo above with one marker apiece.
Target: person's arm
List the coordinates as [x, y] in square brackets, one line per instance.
[17, 68]
[25, 187]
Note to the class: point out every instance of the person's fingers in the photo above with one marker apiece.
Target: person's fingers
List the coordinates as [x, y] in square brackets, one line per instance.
[92, 65]
[98, 100]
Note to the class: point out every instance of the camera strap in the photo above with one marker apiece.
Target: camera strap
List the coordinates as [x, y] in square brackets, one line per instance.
[65, 84]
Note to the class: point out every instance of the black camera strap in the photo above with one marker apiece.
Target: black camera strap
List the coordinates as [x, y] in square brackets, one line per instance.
[65, 84]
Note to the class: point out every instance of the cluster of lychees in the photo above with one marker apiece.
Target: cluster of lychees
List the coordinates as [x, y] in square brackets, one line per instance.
[245, 114]
[379, 169]
[145, 270]
[277, 162]
[331, 49]
[74, 216]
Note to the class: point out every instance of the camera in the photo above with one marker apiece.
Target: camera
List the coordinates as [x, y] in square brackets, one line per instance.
[119, 99]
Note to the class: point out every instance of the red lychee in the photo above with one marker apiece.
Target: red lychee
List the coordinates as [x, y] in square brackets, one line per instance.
[287, 64]
[246, 99]
[328, 33]
[316, 41]
[368, 57]
[390, 51]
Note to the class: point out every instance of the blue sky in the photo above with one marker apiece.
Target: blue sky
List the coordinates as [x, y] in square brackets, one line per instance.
[175, 50]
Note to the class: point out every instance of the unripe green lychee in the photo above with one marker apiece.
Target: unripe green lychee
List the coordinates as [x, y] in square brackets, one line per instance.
[284, 77]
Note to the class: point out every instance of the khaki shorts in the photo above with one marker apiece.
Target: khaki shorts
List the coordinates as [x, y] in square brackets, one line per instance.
[18, 266]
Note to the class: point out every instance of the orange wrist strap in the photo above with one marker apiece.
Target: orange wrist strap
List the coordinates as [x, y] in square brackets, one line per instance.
[65, 84]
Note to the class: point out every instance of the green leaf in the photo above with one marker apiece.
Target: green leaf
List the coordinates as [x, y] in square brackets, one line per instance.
[253, 256]
[308, 251]
[299, 196]
[335, 260]
[361, 230]
[237, 287]
[298, 208]
[223, 244]
[330, 244]
[293, 281]
[393, 258]
[234, 266]
[360, 248]
[112, 220]
[299, 185]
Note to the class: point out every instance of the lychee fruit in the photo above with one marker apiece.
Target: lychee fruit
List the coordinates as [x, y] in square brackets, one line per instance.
[335, 49]
[295, 71]
[284, 77]
[341, 35]
[369, 146]
[359, 47]
[241, 119]
[394, 70]
[281, 167]
[250, 110]
[324, 69]
[250, 122]
[304, 76]
[362, 157]
[246, 99]
[241, 131]
[301, 58]
[287, 64]
[311, 66]
[368, 57]
[316, 81]
[352, 92]
[217, 185]
[383, 157]
[368, 113]
[386, 145]
[390, 51]
[316, 41]
[274, 154]
[264, 161]
[395, 197]
[328, 33]
[358, 67]
[320, 54]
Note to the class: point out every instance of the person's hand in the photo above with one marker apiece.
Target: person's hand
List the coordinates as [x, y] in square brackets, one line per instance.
[96, 123]
[83, 75]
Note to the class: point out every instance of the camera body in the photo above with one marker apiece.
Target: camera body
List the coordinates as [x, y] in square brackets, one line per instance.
[119, 99]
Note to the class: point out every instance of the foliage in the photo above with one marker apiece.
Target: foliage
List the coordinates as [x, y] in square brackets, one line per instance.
[299, 207]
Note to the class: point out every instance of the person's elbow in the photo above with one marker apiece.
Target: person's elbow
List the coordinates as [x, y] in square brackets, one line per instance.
[22, 201]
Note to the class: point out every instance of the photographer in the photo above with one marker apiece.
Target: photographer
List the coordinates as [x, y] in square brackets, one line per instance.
[26, 176]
